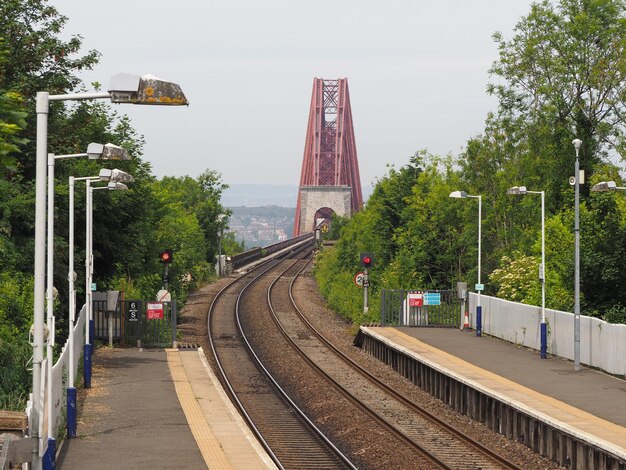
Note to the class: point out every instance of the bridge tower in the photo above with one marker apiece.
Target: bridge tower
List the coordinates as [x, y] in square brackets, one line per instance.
[330, 180]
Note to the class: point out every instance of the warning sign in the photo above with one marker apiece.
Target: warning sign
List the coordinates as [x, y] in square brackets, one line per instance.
[154, 311]
[416, 299]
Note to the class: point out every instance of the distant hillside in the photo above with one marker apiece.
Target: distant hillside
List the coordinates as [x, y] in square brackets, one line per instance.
[258, 195]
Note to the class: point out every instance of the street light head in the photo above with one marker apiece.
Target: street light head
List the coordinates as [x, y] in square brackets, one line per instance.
[458, 194]
[105, 174]
[604, 186]
[116, 186]
[147, 89]
[115, 175]
[120, 176]
[577, 143]
[106, 152]
[517, 190]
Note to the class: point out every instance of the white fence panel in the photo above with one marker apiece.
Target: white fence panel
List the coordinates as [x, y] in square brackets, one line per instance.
[60, 382]
[602, 344]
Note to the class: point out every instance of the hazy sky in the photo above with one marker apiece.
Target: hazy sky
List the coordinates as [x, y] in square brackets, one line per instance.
[417, 73]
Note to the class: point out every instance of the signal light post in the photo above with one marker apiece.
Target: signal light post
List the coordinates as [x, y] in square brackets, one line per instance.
[166, 257]
[366, 261]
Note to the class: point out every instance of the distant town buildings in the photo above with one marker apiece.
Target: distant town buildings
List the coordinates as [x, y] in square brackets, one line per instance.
[261, 226]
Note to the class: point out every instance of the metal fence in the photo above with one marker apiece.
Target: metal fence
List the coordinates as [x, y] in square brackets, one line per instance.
[150, 324]
[433, 308]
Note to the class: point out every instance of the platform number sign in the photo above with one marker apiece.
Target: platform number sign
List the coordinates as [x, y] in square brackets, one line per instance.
[134, 310]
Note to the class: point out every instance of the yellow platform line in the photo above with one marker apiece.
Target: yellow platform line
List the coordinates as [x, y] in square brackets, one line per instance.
[208, 444]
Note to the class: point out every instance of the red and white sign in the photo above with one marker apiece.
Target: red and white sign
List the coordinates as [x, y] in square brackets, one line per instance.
[416, 299]
[359, 278]
[154, 310]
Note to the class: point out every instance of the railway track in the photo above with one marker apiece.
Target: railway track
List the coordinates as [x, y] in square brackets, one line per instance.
[292, 440]
[450, 447]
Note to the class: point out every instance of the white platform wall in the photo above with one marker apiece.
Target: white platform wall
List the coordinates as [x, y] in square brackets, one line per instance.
[602, 344]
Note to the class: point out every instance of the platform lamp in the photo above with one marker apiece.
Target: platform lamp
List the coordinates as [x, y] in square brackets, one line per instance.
[95, 152]
[479, 286]
[124, 88]
[521, 190]
[604, 186]
[577, 144]
[104, 175]
[220, 221]
[113, 177]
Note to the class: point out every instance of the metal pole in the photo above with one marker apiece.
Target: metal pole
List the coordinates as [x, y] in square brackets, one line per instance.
[87, 347]
[51, 450]
[479, 308]
[577, 144]
[91, 264]
[174, 321]
[542, 276]
[70, 279]
[39, 269]
[71, 390]
[219, 259]
[365, 289]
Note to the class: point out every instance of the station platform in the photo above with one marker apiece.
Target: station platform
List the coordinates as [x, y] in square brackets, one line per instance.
[158, 409]
[577, 418]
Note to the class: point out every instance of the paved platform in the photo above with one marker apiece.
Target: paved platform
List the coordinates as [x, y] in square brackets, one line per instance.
[158, 409]
[586, 403]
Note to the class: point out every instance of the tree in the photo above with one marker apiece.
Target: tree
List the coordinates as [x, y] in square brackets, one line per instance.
[563, 77]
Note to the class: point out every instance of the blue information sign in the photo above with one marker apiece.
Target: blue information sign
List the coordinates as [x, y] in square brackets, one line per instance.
[432, 298]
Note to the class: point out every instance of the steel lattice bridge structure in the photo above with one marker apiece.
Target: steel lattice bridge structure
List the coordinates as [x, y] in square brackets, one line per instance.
[330, 181]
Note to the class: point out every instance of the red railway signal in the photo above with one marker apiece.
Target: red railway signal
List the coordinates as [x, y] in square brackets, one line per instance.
[166, 256]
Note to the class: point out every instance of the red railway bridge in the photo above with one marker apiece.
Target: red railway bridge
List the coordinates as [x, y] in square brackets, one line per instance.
[330, 181]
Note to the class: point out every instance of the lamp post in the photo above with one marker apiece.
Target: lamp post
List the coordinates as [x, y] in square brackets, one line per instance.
[479, 286]
[105, 175]
[220, 220]
[94, 151]
[124, 89]
[521, 190]
[577, 143]
[115, 178]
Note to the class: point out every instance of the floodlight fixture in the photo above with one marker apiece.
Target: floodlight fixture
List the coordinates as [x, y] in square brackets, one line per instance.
[603, 186]
[120, 176]
[145, 89]
[517, 190]
[117, 186]
[106, 152]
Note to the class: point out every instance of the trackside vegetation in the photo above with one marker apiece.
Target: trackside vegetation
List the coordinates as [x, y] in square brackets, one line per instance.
[559, 76]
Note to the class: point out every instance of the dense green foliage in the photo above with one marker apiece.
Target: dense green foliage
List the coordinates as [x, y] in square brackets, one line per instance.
[130, 227]
[561, 76]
